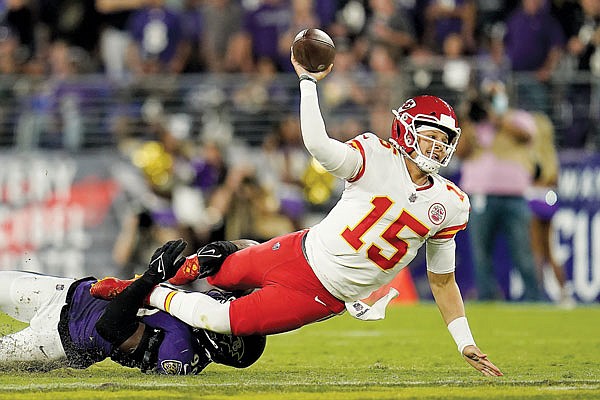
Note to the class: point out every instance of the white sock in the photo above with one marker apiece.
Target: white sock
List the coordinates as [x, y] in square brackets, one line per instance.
[196, 309]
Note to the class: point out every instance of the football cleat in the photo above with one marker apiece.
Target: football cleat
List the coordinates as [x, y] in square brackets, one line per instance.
[108, 288]
[206, 262]
[188, 272]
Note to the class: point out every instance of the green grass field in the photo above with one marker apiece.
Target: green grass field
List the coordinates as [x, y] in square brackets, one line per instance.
[544, 352]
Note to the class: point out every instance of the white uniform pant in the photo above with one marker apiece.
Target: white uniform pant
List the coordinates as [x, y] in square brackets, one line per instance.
[38, 300]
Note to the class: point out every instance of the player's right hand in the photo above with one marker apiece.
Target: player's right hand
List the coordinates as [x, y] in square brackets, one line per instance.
[164, 263]
[480, 362]
[300, 70]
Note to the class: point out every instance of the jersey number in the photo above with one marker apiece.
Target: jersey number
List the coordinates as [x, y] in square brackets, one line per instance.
[405, 220]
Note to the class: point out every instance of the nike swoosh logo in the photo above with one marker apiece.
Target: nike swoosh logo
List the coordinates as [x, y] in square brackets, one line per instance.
[208, 253]
[43, 352]
[319, 301]
[161, 266]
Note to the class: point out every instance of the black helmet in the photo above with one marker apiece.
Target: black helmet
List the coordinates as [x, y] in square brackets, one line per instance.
[234, 351]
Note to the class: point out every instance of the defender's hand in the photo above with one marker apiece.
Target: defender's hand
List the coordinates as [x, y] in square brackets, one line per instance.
[164, 263]
[479, 361]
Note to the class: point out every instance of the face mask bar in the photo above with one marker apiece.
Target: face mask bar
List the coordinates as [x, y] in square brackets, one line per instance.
[446, 149]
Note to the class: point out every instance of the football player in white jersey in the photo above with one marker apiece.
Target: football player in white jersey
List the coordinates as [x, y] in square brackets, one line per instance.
[393, 202]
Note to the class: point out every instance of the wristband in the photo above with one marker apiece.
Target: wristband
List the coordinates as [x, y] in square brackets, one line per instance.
[307, 78]
[461, 333]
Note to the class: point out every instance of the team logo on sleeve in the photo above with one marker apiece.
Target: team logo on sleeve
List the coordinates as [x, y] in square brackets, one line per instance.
[437, 213]
[171, 367]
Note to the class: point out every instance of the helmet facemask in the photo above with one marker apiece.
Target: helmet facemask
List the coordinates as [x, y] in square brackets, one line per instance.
[426, 161]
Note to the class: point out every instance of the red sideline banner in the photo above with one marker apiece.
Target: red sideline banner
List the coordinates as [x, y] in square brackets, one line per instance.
[57, 212]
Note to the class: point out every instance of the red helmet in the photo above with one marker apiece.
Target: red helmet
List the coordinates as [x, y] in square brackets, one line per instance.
[425, 113]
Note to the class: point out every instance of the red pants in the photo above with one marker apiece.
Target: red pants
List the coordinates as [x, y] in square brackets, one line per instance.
[290, 294]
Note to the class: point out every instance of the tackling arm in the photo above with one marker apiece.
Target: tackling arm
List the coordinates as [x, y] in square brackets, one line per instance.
[449, 301]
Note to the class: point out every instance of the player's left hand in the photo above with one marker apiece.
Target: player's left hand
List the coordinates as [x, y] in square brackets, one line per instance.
[480, 362]
[164, 263]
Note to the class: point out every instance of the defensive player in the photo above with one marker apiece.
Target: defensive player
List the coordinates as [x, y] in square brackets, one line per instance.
[69, 327]
[393, 202]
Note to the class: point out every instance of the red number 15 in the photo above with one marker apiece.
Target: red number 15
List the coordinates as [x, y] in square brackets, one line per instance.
[380, 205]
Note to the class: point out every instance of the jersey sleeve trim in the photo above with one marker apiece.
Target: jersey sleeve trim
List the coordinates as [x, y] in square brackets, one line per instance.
[358, 146]
[449, 232]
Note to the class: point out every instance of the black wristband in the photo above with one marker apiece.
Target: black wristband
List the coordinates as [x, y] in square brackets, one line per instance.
[306, 77]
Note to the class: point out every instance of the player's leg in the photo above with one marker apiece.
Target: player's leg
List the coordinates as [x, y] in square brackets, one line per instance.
[247, 268]
[276, 309]
[39, 300]
[242, 270]
[291, 294]
[31, 345]
[23, 293]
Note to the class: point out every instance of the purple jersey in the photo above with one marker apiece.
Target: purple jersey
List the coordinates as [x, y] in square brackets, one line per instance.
[529, 39]
[158, 32]
[179, 353]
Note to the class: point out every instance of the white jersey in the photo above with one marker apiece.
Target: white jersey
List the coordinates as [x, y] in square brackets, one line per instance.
[381, 221]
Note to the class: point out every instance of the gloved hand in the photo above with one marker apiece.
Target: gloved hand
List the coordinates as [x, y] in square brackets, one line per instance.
[204, 263]
[164, 263]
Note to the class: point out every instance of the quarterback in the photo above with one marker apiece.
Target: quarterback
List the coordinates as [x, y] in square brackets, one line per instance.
[393, 203]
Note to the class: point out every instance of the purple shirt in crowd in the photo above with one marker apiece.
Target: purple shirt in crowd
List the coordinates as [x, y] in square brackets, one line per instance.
[448, 25]
[529, 39]
[157, 31]
[266, 25]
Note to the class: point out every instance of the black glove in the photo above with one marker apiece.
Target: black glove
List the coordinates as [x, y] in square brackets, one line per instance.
[164, 263]
[211, 256]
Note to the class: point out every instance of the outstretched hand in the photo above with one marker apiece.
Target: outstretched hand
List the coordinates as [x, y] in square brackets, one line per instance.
[479, 361]
[300, 70]
[164, 263]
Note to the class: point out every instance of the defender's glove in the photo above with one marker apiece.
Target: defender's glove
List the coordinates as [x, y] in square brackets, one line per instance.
[164, 263]
[204, 263]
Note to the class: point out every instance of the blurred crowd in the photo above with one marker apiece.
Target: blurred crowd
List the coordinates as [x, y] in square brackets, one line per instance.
[206, 177]
[121, 37]
[535, 46]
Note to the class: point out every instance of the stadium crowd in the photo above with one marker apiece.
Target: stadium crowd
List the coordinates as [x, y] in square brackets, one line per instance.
[213, 182]
[466, 45]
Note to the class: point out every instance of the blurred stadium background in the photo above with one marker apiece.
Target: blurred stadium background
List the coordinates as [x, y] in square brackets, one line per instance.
[193, 132]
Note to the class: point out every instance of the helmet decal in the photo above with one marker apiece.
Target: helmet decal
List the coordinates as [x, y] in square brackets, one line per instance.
[408, 104]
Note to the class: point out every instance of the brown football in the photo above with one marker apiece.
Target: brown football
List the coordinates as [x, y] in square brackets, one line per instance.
[313, 49]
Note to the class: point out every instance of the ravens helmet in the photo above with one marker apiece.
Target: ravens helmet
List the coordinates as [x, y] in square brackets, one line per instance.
[231, 350]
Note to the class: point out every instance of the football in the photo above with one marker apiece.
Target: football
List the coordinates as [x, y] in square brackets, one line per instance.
[313, 49]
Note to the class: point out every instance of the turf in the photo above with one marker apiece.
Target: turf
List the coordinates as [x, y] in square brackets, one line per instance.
[545, 353]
